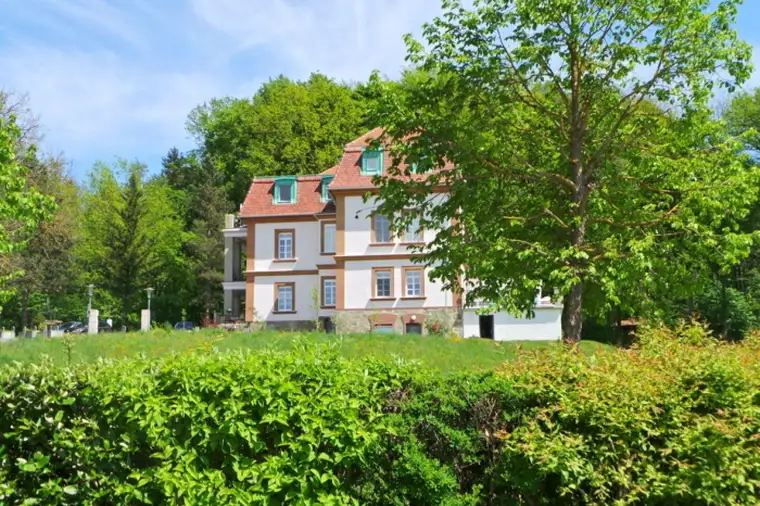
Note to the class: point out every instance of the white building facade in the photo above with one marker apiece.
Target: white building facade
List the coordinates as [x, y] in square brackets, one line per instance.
[313, 248]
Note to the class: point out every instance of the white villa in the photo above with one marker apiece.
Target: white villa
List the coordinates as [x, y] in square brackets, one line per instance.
[304, 247]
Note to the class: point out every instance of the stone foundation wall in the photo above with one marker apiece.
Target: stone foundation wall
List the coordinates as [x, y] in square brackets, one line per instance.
[295, 325]
[362, 322]
[359, 322]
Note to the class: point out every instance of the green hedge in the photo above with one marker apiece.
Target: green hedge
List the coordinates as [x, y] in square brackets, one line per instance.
[670, 423]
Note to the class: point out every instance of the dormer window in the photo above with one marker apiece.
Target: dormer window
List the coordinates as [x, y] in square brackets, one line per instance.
[422, 166]
[285, 190]
[326, 196]
[372, 162]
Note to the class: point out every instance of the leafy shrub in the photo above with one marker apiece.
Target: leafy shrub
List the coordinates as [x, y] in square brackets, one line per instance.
[675, 420]
[438, 323]
[666, 423]
[204, 429]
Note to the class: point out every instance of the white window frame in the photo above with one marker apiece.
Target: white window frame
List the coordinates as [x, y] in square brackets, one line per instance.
[377, 220]
[387, 274]
[415, 235]
[334, 292]
[282, 244]
[329, 248]
[417, 290]
[289, 287]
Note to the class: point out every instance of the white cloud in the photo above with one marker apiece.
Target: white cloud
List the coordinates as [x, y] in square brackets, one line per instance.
[102, 16]
[345, 39]
[119, 78]
[97, 102]
[128, 74]
[251, 23]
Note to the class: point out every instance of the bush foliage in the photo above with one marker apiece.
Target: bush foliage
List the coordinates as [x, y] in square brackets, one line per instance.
[673, 421]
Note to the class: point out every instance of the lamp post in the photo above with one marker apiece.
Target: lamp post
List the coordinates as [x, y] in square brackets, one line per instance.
[90, 289]
[149, 291]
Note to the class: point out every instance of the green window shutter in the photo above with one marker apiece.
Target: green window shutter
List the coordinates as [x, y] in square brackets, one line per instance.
[326, 180]
[285, 190]
[372, 162]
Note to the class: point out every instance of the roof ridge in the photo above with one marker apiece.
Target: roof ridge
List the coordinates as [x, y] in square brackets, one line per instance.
[297, 176]
[361, 138]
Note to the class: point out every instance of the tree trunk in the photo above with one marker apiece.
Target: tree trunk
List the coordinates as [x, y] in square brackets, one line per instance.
[572, 311]
[724, 309]
[124, 309]
[572, 315]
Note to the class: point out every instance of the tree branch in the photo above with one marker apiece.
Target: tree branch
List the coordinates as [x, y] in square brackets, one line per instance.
[544, 174]
[524, 83]
[641, 224]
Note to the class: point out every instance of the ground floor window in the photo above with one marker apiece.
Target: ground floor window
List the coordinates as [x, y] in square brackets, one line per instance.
[284, 297]
[384, 329]
[414, 282]
[329, 291]
[383, 281]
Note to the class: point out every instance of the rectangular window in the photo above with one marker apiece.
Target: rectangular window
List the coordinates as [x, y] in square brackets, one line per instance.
[329, 292]
[285, 244]
[413, 233]
[422, 166]
[326, 196]
[383, 329]
[414, 328]
[285, 297]
[284, 190]
[328, 237]
[414, 282]
[383, 283]
[381, 229]
[372, 162]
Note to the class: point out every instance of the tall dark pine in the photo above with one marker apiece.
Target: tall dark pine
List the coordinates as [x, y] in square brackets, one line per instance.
[128, 263]
[208, 204]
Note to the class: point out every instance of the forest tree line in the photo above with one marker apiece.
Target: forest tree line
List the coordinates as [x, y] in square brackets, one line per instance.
[127, 227]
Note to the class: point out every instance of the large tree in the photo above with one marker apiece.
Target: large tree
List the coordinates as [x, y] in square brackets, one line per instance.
[209, 204]
[22, 208]
[742, 116]
[198, 195]
[48, 261]
[585, 158]
[132, 237]
[287, 127]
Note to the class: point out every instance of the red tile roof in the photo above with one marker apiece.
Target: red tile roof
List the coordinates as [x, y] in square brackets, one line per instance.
[365, 139]
[260, 201]
[348, 174]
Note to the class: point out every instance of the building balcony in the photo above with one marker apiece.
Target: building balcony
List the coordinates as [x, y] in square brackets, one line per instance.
[233, 227]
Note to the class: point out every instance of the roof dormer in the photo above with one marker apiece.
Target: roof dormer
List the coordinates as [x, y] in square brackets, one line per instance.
[326, 195]
[285, 190]
[372, 161]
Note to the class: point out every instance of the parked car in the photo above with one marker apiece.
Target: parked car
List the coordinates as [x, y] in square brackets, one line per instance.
[70, 327]
[183, 326]
[83, 329]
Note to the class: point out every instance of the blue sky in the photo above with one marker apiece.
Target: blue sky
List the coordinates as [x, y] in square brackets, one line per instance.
[117, 78]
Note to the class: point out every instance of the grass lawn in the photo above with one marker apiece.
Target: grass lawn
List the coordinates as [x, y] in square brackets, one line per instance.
[447, 355]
